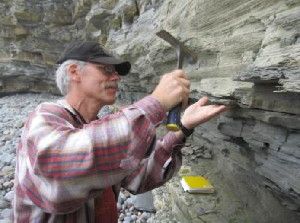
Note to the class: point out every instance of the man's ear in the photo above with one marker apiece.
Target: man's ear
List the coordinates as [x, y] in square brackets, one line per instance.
[74, 72]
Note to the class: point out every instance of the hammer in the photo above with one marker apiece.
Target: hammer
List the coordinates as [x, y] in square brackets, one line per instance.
[182, 52]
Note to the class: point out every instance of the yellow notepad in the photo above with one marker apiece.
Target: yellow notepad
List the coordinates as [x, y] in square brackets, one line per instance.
[196, 184]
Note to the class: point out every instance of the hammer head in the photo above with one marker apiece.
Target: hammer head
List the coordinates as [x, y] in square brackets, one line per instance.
[182, 51]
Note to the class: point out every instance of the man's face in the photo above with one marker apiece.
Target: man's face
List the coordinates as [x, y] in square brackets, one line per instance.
[99, 82]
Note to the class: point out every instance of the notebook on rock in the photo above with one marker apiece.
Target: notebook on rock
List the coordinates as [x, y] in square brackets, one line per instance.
[196, 184]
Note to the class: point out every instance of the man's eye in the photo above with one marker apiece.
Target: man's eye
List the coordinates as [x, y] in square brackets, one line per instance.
[110, 69]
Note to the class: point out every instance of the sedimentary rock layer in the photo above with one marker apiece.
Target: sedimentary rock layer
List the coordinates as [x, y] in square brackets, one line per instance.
[248, 58]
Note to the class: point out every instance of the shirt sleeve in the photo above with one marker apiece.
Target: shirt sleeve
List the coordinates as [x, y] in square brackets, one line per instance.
[60, 166]
[164, 160]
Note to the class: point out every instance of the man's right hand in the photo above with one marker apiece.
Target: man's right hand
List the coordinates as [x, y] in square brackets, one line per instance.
[172, 89]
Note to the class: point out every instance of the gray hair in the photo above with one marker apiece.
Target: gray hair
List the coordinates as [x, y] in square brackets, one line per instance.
[62, 77]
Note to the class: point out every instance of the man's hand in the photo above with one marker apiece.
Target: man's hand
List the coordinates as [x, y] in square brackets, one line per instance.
[198, 113]
[173, 89]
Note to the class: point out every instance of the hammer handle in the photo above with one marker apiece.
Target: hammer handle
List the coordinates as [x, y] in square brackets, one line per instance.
[174, 114]
[174, 118]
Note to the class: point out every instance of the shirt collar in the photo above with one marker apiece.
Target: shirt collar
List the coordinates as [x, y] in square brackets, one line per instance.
[65, 104]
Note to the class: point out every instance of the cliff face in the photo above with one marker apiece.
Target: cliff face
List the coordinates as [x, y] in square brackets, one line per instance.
[248, 56]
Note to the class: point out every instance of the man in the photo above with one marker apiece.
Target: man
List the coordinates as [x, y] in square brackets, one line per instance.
[70, 164]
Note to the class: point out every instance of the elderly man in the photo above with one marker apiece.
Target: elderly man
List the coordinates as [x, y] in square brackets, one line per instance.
[71, 164]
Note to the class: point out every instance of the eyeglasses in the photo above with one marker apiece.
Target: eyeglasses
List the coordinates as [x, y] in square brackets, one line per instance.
[109, 70]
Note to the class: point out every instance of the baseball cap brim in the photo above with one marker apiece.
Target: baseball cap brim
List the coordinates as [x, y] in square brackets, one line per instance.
[122, 67]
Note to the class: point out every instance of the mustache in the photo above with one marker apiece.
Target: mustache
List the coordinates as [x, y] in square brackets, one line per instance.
[111, 84]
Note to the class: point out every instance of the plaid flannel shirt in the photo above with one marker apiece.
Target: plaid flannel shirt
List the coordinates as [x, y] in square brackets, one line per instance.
[62, 164]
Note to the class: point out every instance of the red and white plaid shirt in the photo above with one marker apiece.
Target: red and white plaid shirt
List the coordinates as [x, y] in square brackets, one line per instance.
[63, 164]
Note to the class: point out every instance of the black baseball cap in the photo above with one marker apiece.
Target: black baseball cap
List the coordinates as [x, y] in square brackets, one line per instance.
[91, 51]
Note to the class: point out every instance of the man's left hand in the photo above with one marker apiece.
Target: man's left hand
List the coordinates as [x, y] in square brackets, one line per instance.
[199, 113]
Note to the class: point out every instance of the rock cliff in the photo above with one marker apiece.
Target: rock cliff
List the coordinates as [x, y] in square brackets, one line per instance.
[248, 57]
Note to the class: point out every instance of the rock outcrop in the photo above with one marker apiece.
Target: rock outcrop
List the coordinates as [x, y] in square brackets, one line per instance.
[248, 57]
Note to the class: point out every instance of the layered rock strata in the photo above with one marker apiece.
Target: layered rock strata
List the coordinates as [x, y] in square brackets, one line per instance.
[248, 57]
